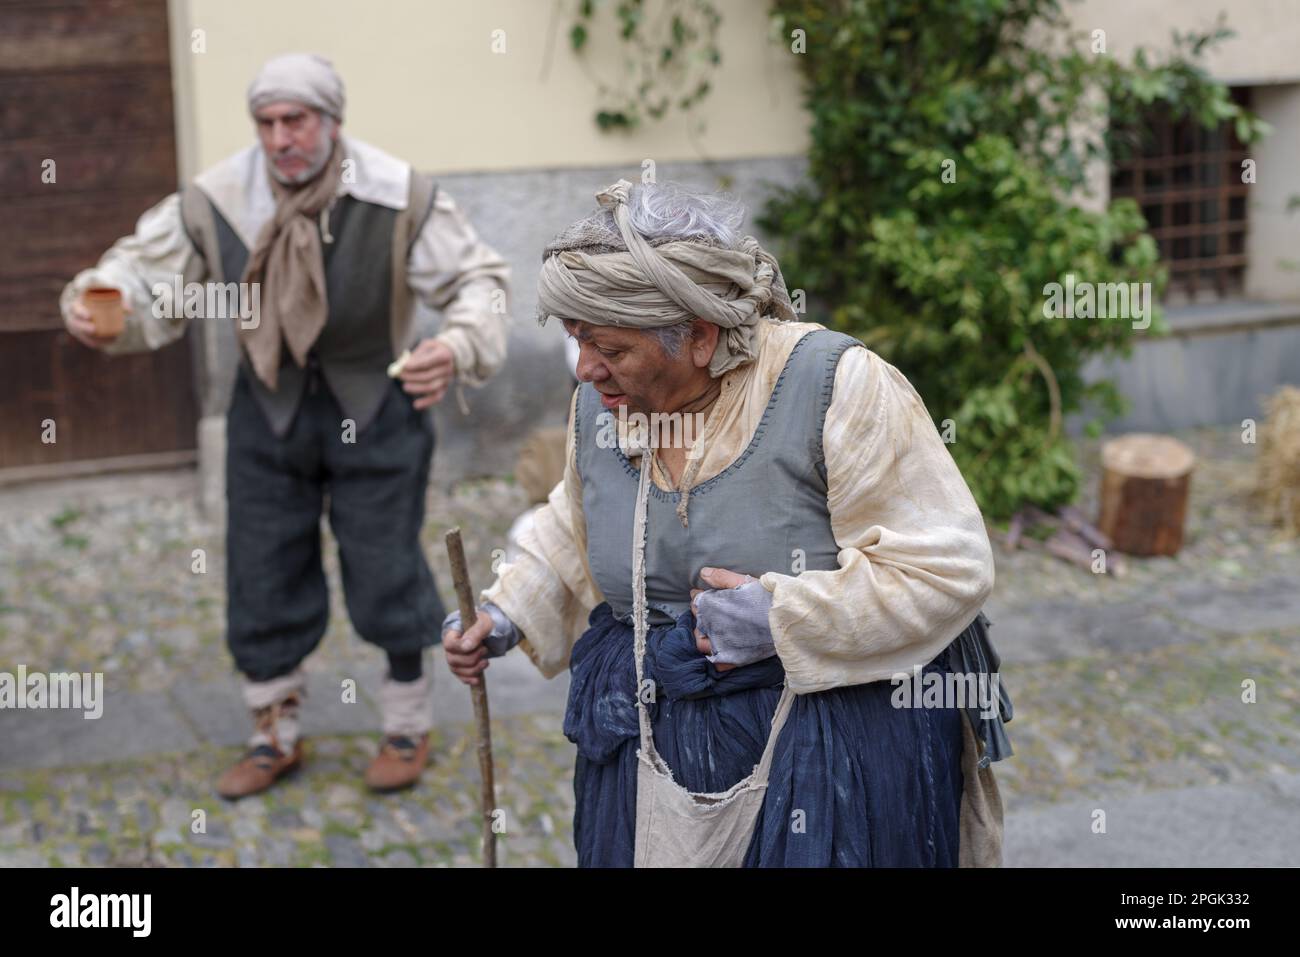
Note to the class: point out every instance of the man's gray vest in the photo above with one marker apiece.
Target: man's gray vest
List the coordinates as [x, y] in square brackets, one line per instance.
[766, 512]
[369, 301]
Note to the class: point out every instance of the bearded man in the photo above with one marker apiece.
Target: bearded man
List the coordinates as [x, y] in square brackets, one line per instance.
[335, 240]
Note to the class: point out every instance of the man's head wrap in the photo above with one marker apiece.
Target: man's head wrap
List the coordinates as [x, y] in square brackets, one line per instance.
[655, 284]
[300, 77]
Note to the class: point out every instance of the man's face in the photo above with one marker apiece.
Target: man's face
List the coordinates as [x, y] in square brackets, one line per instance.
[629, 367]
[296, 139]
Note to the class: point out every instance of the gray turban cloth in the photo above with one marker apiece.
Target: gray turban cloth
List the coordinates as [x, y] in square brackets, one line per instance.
[650, 285]
[301, 77]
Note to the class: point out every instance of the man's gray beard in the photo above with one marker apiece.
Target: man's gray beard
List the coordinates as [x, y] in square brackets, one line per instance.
[310, 173]
[305, 176]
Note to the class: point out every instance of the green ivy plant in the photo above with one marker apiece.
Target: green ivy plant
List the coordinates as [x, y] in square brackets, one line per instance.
[945, 276]
[671, 49]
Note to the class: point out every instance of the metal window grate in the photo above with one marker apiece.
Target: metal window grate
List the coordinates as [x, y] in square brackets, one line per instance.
[1187, 181]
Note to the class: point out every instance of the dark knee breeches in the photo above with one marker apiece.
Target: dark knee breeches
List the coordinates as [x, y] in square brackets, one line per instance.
[278, 603]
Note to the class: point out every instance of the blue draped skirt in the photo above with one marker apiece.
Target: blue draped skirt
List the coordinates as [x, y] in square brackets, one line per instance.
[855, 781]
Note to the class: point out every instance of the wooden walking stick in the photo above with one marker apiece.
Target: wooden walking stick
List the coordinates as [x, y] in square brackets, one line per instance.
[469, 615]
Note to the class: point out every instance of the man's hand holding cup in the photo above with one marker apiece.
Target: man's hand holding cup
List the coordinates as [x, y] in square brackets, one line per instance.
[97, 317]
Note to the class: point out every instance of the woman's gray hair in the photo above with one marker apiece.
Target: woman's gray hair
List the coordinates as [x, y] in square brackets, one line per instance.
[673, 211]
[672, 338]
[662, 213]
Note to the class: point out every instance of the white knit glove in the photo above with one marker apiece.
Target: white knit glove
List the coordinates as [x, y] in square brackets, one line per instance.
[735, 622]
[502, 638]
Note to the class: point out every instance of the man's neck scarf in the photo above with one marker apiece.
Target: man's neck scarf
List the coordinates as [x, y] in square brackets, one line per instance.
[654, 286]
[288, 264]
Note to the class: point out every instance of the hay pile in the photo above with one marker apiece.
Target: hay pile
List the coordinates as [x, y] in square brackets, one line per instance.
[540, 466]
[1278, 465]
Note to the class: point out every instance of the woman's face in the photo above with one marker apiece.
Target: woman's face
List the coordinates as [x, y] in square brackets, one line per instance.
[629, 367]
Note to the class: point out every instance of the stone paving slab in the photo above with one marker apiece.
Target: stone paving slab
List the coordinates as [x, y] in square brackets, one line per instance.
[1059, 629]
[1272, 604]
[1228, 826]
[131, 726]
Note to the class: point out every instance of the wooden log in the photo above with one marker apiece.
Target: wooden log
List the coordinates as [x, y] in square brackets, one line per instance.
[1075, 522]
[1144, 487]
[1069, 547]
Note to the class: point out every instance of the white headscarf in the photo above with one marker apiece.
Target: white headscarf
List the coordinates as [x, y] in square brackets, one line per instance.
[301, 77]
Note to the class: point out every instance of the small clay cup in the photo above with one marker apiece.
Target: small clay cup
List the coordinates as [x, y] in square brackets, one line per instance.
[106, 309]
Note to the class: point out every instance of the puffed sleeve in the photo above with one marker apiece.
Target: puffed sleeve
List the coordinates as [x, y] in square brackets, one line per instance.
[548, 591]
[915, 563]
[145, 266]
[453, 271]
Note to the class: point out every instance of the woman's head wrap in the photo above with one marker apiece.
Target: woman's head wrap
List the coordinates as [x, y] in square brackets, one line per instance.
[300, 77]
[650, 285]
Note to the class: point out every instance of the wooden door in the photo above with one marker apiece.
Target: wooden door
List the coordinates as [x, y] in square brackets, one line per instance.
[87, 84]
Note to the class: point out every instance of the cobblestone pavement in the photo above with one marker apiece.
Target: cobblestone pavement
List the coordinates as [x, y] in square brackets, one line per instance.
[1128, 696]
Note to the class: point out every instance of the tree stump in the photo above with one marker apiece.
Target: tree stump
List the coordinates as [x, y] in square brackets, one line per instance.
[1144, 484]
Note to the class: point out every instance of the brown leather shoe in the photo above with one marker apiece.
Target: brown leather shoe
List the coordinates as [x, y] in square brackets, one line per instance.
[258, 770]
[263, 765]
[399, 762]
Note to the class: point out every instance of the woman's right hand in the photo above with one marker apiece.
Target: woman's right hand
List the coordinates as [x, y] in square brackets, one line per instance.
[467, 655]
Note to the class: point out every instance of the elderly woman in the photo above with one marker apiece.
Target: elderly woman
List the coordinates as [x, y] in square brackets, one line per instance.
[748, 591]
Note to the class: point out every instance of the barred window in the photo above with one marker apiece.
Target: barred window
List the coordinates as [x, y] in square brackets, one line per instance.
[1188, 182]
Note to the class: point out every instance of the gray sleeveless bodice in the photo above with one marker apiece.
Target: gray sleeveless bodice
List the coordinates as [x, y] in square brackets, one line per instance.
[765, 512]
